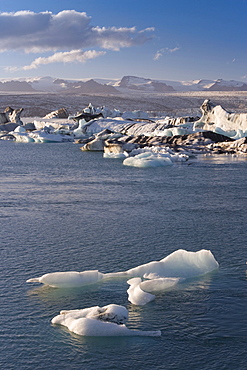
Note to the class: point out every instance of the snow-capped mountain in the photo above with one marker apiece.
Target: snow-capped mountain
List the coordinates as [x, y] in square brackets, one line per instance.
[110, 86]
[144, 84]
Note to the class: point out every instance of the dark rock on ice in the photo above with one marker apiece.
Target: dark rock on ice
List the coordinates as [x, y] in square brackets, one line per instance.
[11, 115]
[59, 113]
[8, 127]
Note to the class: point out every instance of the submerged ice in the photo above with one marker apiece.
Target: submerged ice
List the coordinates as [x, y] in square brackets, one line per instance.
[99, 321]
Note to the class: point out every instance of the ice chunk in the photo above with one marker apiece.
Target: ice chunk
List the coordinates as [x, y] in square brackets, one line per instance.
[139, 291]
[115, 155]
[68, 279]
[136, 294]
[110, 313]
[181, 263]
[99, 321]
[20, 129]
[148, 159]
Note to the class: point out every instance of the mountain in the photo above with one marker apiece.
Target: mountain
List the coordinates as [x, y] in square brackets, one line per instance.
[144, 84]
[50, 84]
[88, 87]
[221, 85]
[125, 85]
[15, 86]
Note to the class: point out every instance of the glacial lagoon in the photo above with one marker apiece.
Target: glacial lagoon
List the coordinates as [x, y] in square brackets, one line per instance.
[67, 210]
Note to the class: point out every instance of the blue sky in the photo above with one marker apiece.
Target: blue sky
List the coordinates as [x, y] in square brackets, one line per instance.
[159, 39]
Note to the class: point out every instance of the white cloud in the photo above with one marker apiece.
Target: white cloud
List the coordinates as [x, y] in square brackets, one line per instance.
[64, 57]
[158, 54]
[161, 52]
[173, 50]
[68, 30]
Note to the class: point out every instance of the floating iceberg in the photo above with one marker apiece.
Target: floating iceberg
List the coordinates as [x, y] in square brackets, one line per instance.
[179, 264]
[99, 321]
[167, 272]
[136, 294]
[148, 159]
[139, 291]
[159, 275]
[217, 119]
[68, 279]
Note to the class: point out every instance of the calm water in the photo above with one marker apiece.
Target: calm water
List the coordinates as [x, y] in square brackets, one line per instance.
[61, 209]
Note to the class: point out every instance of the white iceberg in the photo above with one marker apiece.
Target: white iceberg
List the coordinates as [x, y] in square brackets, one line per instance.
[99, 321]
[148, 159]
[139, 291]
[154, 157]
[217, 119]
[68, 279]
[136, 294]
[179, 264]
[42, 136]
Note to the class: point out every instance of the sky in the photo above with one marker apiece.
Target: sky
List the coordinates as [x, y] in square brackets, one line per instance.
[177, 40]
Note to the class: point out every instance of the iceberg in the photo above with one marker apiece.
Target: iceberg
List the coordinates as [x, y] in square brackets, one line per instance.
[68, 279]
[217, 119]
[136, 294]
[99, 321]
[148, 159]
[179, 264]
[158, 275]
[166, 273]
[139, 291]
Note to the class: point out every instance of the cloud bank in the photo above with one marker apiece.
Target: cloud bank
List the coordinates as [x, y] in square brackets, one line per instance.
[65, 34]
[68, 30]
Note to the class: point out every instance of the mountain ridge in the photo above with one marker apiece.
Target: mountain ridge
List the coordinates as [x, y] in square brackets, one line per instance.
[116, 86]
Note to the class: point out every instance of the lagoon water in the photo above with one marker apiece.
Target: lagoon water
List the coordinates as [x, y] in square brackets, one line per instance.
[62, 209]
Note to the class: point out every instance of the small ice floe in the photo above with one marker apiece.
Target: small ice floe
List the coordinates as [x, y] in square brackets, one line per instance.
[154, 157]
[148, 159]
[136, 294]
[115, 155]
[39, 136]
[179, 264]
[167, 273]
[43, 136]
[139, 291]
[21, 136]
[68, 279]
[100, 322]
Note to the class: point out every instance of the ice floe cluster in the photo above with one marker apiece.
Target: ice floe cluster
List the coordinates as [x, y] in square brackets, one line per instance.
[144, 282]
[117, 134]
